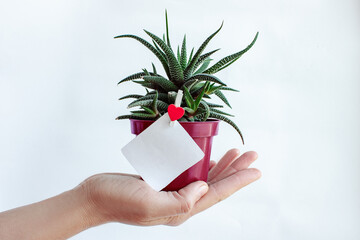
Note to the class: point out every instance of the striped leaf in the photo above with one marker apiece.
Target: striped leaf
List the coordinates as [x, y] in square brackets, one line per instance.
[149, 46]
[229, 59]
[188, 98]
[207, 77]
[176, 72]
[214, 105]
[222, 97]
[190, 57]
[137, 96]
[227, 120]
[133, 77]
[137, 116]
[203, 57]
[190, 68]
[203, 66]
[160, 104]
[162, 82]
[161, 96]
[167, 30]
[206, 107]
[183, 57]
[214, 110]
[229, 89]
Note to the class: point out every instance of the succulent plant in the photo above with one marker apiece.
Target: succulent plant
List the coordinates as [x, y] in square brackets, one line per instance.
[191, 74]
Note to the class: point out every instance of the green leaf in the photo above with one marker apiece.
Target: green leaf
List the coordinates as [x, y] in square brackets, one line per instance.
[148, 110]
[229, 89]
[206, 108]
[191, 53]
[200, 96]
[162, 82]
[190, 68]
[231, 58]
[136, 116]
[189, 84]
[133, 77]
[151, 48]
[154, 68]
[147, 84]
[160, 51]
[137, 96]
[176, 72]
[167, 30]
[178, 54]
[207, 77]
[228, 64]
[188, 98]
[154, 103]
[214, 110]
[222, 97]
[213, 105]
[183, 57]
[160, 104]
[161, 96]
[227, 120]
[203, 57]
[189, 110]
[203, 66]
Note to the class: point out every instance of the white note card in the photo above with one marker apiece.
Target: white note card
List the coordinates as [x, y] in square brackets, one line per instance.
[162, 152]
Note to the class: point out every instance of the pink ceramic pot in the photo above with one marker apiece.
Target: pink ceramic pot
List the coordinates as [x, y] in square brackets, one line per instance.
[202, 133]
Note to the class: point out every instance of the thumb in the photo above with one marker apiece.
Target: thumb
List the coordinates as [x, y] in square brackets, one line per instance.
[191, 194]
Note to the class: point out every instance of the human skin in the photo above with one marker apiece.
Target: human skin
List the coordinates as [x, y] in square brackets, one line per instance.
[117, 197]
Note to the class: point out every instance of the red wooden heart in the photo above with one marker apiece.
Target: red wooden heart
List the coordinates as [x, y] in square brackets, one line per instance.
[175, 113]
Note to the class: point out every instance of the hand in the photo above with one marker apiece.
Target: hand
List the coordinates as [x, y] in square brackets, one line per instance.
[126, 198]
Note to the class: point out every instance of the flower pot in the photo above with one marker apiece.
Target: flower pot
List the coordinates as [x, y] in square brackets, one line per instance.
[202, 133]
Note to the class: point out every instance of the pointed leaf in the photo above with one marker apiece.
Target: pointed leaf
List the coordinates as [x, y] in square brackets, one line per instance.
[132, 77]
[200, 96]
[176, 73]
[136, 116]
[229, 89]
[203, 66]
[222, 97]
[183, 57]
[191, 53]
[188, 98]
[154, 68]
[203, 57]
[162, 82]
[214, 110]
[215, 68]
[213, 105]
[207, 111]
[160, 104]
[227, 120]
[207, 77]
[190, 68]
[167, 30]
[137, 96]
[150, 47]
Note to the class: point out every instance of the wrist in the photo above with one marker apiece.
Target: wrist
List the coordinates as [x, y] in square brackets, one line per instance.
[90, 213]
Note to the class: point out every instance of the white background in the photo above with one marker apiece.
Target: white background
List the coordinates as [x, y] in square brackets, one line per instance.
[298, 107]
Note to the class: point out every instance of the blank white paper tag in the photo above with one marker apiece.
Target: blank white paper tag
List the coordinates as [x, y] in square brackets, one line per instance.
[162, 152]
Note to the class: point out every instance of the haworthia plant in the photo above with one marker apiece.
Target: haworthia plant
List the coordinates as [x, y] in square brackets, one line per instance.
[188, 72]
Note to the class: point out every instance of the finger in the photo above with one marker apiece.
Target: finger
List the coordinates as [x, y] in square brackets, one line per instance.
[180, 202]
[226, 187]
[224, 162]
[241, 163]
[212, 164]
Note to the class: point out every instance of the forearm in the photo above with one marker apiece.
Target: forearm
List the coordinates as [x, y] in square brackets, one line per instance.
[59, 217]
